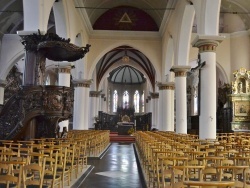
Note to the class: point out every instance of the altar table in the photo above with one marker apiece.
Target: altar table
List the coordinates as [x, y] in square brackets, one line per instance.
[123, 127]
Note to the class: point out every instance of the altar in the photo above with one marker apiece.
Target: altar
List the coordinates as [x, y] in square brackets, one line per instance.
[240, 98]
[123, 127]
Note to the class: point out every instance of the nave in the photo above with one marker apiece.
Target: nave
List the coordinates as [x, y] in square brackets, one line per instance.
[89, 159]
[84, 159]
[117, 167]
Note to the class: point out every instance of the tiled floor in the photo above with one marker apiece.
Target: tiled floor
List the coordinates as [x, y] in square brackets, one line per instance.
[116, 169]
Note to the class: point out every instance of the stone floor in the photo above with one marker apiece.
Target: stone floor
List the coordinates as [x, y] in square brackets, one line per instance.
[116, 168]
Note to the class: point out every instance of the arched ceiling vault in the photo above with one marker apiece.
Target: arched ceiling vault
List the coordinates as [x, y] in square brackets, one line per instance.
[11, 12]
[11, 21]
[126, 74]
[126, 55]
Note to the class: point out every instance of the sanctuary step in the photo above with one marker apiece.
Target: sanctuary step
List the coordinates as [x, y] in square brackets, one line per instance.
[114, 137]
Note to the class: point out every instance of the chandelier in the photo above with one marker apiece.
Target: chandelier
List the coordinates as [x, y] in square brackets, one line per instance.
[125, 58]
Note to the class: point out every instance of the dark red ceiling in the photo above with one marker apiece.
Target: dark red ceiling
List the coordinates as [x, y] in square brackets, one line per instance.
[125, 18]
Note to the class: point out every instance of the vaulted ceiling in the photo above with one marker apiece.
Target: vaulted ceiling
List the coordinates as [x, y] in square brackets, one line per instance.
[158, 10]
[155, 9]
[125, 55]
[126, 74]
[11, 11]
[129, 15]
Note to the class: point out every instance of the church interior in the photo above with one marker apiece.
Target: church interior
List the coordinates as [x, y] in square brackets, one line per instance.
[163, 86]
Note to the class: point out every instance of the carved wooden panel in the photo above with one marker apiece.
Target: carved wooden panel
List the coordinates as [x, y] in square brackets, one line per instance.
[50, 102]
[13, 82]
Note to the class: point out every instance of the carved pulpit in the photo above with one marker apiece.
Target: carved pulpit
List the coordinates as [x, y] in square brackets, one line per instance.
[35, 109]
[240, 98]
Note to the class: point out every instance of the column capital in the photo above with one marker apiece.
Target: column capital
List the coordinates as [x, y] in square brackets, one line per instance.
[24, 33]
[166, 86]
[154, 95]
[180, 71]
[94, 93]
[64, 70]
[82, 83]
[207, 43]
[3, 83]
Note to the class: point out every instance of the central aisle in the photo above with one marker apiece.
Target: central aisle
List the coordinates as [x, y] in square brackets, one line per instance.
[117, 169]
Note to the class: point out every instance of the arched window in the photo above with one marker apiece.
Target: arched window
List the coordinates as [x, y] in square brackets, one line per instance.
[142, 103]
[136, 101]
[47, 82]
[125, 99]
[115, 101]
[109, 100]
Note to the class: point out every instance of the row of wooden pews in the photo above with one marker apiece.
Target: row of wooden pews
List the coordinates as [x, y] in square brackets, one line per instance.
[182, 160]
[49, 162]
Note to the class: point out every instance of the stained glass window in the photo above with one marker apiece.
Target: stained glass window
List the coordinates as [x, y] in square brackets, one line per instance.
[115, 101]
[125, 99]
[136, 101]
[109, 101]
[47, 82]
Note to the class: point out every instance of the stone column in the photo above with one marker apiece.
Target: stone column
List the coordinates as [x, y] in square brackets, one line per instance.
[166, 91]
[35, 14]
[94, 108]
[140, 103]
[154, 107]
[2, 86]
[34, 71]
[181, 97]
[64, 80]
[172, 98]
[207, 121]
[81, 104]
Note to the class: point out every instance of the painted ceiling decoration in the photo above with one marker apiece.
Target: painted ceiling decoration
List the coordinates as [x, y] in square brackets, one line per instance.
[125, 18]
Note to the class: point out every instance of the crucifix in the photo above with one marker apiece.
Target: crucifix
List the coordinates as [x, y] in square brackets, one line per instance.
[193, 87]
[200, 65]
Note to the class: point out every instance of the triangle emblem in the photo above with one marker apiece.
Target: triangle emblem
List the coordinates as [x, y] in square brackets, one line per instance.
[125, 19]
